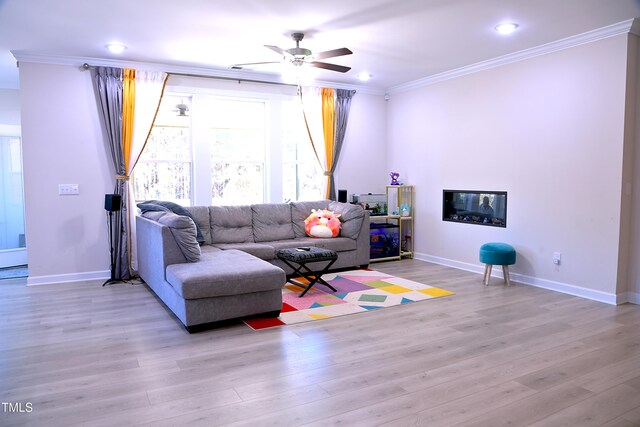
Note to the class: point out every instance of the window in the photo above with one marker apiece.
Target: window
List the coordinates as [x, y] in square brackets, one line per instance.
[301, 173]
[237, 150]
[228, 149]
[164, 169]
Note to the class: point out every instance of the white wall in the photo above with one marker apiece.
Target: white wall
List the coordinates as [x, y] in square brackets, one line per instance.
[634, 186]
[362, 164]
[549, 131]
[62, 144]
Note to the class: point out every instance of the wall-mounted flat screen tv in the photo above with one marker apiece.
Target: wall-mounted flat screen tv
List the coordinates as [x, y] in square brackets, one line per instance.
[475, 207]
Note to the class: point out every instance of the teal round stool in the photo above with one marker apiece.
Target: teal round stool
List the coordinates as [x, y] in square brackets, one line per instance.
[496, 253]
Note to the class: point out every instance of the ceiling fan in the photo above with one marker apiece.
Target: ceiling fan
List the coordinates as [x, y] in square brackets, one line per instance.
[299, 56]
[181, 109]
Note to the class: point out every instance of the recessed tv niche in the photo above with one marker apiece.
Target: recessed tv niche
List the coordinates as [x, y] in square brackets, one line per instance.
[475, 207]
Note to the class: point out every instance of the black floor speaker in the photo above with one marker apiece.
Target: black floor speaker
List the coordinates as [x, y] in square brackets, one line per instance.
[112, 202]
[342, 196]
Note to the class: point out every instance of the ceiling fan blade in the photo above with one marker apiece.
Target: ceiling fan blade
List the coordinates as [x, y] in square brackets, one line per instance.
[277, 50]
[332, 53]
[332, 67]
[240, 66]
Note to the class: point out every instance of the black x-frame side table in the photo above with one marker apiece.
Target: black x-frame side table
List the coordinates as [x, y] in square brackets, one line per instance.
[303, 256]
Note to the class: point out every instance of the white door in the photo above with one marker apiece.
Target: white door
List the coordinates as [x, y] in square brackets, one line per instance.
[12, 237]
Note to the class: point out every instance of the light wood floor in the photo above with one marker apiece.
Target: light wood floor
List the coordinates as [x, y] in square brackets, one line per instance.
[81, 354]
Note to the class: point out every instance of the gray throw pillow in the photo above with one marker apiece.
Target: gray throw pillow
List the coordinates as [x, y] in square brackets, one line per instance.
[154, 215]
[164, 206]
[184, 232]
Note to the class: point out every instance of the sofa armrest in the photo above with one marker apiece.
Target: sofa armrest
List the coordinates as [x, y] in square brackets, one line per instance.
[363, 242]
[157, 248]
[355, 225]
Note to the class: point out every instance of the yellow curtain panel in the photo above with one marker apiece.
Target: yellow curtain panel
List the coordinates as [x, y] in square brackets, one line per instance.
[128, 110]
[328, 126]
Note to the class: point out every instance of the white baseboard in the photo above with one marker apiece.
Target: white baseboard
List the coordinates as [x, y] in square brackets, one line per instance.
[565, 288]
[633, 297]
[68, 278]
[450, 263]
[14, 281]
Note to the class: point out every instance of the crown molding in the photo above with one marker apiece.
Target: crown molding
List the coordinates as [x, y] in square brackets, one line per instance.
[635, 27]
[624, 27]
[631, 26]
[75, 61]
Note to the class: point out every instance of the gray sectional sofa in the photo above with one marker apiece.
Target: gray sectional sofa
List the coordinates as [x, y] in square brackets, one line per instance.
[235, 271]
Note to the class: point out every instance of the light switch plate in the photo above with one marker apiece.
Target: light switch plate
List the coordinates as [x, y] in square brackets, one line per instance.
[68, 189]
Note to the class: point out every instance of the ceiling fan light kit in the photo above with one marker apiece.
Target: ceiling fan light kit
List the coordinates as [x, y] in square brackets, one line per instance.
[299, 56]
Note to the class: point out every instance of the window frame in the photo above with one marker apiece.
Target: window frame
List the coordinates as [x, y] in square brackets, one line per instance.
[274, 131]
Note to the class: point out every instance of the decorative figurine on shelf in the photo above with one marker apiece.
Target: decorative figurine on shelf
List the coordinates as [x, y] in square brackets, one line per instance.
[394, 178]
[406, 210]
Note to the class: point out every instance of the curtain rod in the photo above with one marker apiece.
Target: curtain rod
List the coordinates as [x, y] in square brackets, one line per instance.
[236, 79]
[239, 80]
[86, 66]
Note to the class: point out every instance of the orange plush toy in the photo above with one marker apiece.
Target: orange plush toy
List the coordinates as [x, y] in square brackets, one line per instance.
[322, 223]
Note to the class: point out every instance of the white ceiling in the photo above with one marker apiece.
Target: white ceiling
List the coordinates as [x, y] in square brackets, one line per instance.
[397, 41]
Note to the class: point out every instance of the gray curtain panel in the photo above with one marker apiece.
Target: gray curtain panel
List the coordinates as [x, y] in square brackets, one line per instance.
[107, 82]
[343, 105]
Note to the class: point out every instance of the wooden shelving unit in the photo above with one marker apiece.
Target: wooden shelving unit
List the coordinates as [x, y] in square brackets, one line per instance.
[397, 197]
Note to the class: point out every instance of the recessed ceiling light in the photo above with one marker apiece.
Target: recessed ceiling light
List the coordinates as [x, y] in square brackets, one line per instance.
[116, 47]
[364, 76]
[506, 28]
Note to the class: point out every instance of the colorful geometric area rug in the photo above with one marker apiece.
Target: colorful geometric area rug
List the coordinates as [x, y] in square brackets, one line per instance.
[358, 291]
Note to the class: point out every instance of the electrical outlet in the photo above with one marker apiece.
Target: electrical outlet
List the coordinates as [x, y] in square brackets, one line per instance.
[68, 189]
[557, 256]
